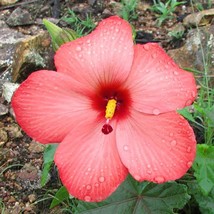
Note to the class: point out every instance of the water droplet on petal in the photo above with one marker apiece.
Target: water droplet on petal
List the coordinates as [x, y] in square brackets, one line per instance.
[154, 55]
[87, 198]
[149, 172]
[88, 187]
[189, 149]
[101, 179]
[89, 169]
[78, 48]
[193, 94]
[96, 184]
[156, 111]
[189, 164]
[173, 142]
[125, 148]
[188, 102]
[146, 47]
[171, 134]
[175, 73]
[159, 179]
[149, 166]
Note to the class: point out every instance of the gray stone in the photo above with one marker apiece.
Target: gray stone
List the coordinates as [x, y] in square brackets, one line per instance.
[19, 17]
[7, 2]
[22, 54]
[199, 45]
[3, 109]
[8, 39]
[201, 18]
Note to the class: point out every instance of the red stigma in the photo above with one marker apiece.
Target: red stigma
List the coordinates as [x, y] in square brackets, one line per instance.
[107, 129]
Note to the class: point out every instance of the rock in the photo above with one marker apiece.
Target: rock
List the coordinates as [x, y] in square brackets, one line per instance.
[29, 177]
[3, 109]
[201, 18]
[8, 39]
[32, 198]
[36, 147]
[3, 137]
[14, 131]
[8, 90]
[7, 2]
[19, 17]
[190, 55]
[31, 54]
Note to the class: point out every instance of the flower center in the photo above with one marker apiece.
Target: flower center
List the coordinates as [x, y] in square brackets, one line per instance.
[110, 110]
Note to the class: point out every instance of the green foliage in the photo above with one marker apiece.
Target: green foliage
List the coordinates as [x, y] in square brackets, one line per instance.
[135, 197]
[204, 167]
[60, 196]
[80, 26]
[165, 10]
[206, 204]
[48, 157]
[59, 35]
[176, 35]
[128, 10]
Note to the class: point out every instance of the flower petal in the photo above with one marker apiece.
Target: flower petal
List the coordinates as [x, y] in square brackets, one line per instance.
[48, 105]
[157, 84]
[103, 56]
[156, 148]
[89, 164]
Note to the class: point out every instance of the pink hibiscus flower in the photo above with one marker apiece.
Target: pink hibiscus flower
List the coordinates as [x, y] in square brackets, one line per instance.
[112, 106]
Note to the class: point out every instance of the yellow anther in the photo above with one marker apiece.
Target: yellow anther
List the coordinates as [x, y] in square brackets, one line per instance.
[110, 108]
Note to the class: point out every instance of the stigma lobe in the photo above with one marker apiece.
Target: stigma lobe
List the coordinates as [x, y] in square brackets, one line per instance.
[107, 129]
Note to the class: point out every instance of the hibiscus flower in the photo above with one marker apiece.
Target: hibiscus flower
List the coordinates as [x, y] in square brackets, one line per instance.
[112, 107]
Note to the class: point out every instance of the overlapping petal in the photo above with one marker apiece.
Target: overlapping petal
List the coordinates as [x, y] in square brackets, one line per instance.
[103, 56]
[156, 148]
[48, 105]
[157, 84]
[89, 164]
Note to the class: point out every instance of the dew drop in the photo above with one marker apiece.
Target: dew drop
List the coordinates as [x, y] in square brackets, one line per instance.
[117, 30]
[193, 94]
[171, 134]
[78, 48]
[188, 102]
[175, 73]
[149, 172]
[189, 164]
[96, 184]
[156, 111]
[89, 169]
[154, 55]
[188, 149]
[87, 198]
[149, 166]
[173, 142]
[146, 47]
[125, 148]
[159, 179]
[88, 187]
[101, 179]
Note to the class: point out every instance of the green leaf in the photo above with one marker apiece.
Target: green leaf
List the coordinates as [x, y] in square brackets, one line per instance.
[59, 35]
[204, 167]
[206, 203]
[185, 113]
[60, 196]
[48, 158]
[133, 197]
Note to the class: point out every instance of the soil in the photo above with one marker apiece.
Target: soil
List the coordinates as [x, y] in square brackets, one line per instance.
[21, 158]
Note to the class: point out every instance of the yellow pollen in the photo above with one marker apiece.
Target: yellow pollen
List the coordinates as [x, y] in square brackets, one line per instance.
[110, 108]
